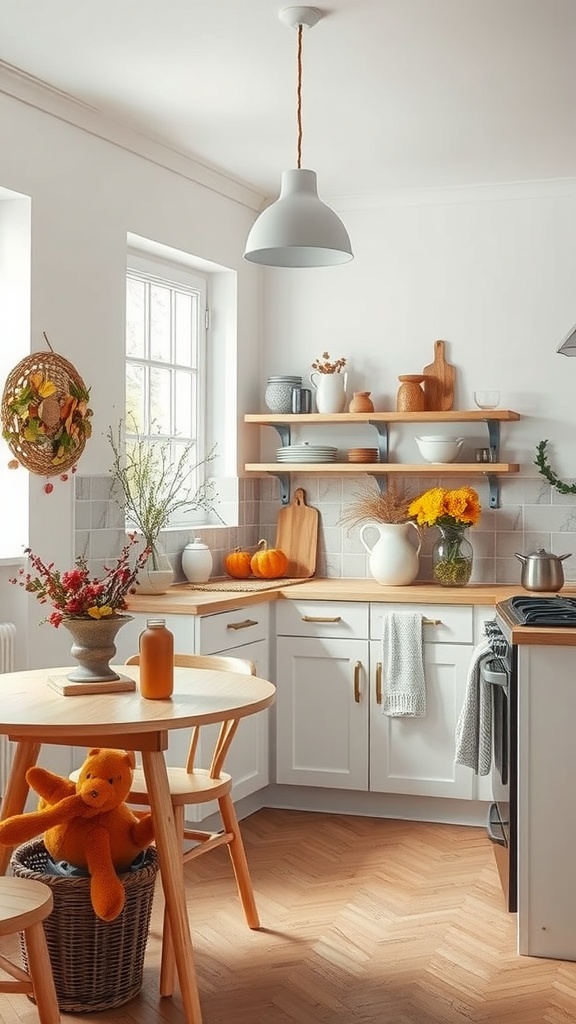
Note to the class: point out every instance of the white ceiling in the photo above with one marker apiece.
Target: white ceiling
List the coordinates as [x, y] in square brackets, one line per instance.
[396, 93]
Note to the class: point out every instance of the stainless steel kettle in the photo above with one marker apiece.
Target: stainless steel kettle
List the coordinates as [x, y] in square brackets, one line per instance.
[541, 570]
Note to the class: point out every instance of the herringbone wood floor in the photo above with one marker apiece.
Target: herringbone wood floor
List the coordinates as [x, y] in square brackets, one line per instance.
[364, 921]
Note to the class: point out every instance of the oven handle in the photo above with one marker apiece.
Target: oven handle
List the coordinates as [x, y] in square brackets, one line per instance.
[495, 678]
[494, 827]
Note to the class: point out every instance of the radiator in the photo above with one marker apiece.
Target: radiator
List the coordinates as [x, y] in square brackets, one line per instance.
[7, 646]
[7, 663]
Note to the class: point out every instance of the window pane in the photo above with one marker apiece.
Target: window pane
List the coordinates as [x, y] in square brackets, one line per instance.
[160, 403]
[184, 383]
[135, 318]
[135, 397]
[160, 323]
[184, 328]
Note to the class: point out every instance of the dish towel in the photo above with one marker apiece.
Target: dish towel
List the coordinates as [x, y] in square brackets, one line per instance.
[474, 728]
[404, 684]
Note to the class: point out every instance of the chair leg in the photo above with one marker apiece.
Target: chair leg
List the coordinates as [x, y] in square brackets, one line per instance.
[40, 971]
[239, 862]
[167, 964]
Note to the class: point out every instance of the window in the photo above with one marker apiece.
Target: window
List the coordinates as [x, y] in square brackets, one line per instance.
[166, 326]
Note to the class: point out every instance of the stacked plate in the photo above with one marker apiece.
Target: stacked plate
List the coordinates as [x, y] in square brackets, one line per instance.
[363, 455]
[307, 453]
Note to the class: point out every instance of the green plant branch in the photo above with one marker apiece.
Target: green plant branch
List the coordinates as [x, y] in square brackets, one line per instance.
[153, 487]
[546, 470]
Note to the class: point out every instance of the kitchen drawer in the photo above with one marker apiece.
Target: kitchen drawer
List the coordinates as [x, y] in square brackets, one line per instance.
[226, 630]
[322, 618]
[443, 623]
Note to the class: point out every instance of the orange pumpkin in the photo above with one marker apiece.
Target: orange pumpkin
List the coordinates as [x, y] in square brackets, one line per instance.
[268, 563]
[237, 564]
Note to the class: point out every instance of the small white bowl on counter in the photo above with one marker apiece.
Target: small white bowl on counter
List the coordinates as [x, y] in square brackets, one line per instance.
[438, 449]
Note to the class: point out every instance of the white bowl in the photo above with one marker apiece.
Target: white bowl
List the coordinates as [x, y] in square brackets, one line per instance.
[439, 449]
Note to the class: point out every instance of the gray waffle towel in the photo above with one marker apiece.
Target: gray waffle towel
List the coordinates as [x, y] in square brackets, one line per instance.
[404, 684]
[474, 728]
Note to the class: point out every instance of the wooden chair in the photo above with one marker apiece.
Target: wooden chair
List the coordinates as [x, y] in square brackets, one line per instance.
[193, 785]
[24, 904]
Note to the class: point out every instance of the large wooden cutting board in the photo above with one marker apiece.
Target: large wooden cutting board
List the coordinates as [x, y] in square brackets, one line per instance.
[439, 378]
[297, 536]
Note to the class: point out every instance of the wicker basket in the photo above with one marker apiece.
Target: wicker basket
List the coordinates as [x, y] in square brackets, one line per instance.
[96, 964]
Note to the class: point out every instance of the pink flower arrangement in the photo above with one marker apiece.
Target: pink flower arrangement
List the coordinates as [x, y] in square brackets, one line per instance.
[74, 595]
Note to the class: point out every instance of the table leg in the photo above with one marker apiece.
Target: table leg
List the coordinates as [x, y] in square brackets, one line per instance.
[172, 872]
[17, 789]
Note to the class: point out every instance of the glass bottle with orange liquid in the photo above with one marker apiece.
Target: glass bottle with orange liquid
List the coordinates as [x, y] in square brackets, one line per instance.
[156, 647]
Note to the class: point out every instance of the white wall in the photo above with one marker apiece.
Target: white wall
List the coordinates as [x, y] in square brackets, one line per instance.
[489, 270]
[86, 195]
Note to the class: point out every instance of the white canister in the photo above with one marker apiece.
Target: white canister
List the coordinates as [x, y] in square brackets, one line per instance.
[197, 561]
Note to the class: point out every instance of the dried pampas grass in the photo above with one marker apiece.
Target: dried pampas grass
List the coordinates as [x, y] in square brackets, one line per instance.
[389, 507]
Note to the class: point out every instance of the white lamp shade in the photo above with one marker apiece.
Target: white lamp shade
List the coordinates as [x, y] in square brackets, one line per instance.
[298, 230]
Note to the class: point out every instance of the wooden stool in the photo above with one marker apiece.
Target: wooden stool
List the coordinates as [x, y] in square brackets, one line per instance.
[24, 903]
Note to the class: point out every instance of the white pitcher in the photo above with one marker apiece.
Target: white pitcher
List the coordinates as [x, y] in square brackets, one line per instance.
[330, 391]
[393, 558]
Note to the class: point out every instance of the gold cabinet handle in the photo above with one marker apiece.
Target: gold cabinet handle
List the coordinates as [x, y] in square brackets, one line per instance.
[321, 618]
[242, 625]
[357, 668]
[378, 682]
[431, 622]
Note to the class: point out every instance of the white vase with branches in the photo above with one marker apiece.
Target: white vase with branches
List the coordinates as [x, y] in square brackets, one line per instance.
[155, 485]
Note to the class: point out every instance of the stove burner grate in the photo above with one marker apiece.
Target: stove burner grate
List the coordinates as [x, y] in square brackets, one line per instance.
[544, 611]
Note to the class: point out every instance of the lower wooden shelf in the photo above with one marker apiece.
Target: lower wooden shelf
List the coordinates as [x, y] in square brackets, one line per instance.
[381, 470]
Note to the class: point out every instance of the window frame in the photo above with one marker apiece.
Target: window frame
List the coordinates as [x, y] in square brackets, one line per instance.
[186, 280]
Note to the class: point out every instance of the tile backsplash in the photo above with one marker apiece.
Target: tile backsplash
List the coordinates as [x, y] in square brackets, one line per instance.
[532, 515]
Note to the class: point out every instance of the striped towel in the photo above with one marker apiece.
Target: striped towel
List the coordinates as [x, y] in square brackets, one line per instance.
[404, 685]
[474, 728]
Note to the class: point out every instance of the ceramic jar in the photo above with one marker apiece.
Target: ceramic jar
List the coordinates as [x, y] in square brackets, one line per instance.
[361, 402]
[197, 561]
[278, 394]
[394, 561]
[330, 391]
[410, 396]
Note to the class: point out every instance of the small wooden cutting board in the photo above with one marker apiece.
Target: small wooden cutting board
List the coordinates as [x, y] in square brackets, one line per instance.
[439, 378]
[297, 536]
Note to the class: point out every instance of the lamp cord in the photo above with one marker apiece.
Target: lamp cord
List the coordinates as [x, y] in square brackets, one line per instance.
[299, 95]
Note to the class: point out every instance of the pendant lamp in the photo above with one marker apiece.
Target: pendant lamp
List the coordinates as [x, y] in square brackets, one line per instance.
[567, 346]
[298, 230]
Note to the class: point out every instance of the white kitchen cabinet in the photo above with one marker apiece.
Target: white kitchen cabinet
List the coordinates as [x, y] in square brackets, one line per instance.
[416, 755]
[322, 712]
[331, 731]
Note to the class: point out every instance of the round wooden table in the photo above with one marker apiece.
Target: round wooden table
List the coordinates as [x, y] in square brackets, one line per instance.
[32, 713]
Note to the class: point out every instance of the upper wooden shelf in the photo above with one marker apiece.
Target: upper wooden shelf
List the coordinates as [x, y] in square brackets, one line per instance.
[451, 416]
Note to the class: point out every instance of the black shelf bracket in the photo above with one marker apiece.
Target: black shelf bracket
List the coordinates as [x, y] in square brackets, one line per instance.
[493, 490]
[382, 431]
[283, 430]
[284, 481]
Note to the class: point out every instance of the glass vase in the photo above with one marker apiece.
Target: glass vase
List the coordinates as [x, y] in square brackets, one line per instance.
[452, 557]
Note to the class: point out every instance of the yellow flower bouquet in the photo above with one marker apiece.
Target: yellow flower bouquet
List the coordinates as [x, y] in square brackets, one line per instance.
[452, 511]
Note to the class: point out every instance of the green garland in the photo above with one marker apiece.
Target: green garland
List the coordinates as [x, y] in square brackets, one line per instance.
[549, 473]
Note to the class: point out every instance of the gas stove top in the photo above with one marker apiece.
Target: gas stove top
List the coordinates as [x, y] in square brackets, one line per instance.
[542, 611]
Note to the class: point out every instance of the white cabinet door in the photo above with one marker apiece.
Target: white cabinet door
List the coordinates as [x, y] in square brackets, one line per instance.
[248, 760]
[416, 755]
[322, 705]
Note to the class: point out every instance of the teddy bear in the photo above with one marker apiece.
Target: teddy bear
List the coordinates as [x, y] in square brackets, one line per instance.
[87, 823]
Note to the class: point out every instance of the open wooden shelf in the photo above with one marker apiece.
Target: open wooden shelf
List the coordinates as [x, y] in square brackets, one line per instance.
[381, 421]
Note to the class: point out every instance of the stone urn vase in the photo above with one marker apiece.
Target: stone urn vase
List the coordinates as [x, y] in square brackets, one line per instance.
[93, 647]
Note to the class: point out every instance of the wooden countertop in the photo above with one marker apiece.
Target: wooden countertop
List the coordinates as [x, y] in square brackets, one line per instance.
[183, 599]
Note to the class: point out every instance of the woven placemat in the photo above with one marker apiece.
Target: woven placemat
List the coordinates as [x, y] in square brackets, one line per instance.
[244, 585]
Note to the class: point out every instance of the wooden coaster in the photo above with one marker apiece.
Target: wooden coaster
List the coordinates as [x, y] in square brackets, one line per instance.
[67, 688]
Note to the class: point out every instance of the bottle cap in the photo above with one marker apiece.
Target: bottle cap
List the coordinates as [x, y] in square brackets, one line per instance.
[151, 623]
